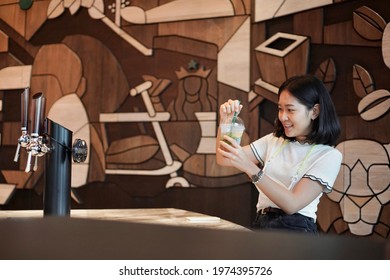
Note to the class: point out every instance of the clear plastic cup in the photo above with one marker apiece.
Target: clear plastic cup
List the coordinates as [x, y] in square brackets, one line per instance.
[232, 129]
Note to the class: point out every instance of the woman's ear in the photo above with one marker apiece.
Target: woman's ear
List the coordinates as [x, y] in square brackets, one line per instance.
[315, 111]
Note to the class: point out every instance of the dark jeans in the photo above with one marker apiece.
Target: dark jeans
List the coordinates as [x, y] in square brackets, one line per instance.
[282, 221]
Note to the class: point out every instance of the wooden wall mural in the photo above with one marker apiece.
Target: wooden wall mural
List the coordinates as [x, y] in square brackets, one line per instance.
[141, 83]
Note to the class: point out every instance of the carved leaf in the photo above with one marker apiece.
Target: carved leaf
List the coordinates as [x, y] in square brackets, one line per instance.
[55, 9]
[386, 45]
[134, 15]
[97, 10]
[374, 105]
[74, 7]
[368, 24]
[68, 3]
[99, 4]
[362, 81]
[326, 72]
[136, 149]
[87, 3]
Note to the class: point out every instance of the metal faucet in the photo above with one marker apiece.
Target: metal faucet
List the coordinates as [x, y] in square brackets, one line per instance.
[37, 146]
[24, 139]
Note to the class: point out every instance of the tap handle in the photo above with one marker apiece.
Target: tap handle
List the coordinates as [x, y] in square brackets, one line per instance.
[16, 158]
[38, 114]
[24, 109]
[24, 138]
[28, 165]
[35, 168]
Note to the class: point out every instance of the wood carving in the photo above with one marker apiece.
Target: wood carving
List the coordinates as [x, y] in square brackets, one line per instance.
[144, 147]
[369, 24]
[362, 187]
[363, 83]
[326, 72]
[15, 77]
[374, 105]
[265, 10]
[282, 56]
[183, 10]
[6, 191]
[193, 95]
[386, 45]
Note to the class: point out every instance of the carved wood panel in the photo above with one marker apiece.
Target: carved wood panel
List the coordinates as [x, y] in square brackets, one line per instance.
[148, 78]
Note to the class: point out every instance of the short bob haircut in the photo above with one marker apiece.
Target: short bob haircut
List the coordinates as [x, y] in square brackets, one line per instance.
[309, 91]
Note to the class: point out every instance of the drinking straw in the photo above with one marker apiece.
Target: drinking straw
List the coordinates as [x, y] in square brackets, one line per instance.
[235, 114]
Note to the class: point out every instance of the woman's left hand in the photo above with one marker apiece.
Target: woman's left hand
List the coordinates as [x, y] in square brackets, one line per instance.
[234, 153]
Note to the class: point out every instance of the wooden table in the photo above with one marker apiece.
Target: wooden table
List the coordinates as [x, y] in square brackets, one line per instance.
[166, 216]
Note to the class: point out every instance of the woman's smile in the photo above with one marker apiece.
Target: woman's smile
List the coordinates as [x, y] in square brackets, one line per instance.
[287, 128]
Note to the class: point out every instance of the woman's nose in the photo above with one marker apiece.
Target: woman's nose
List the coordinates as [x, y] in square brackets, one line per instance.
[282, 116]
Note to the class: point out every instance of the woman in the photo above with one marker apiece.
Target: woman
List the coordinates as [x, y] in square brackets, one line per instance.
[295, 164]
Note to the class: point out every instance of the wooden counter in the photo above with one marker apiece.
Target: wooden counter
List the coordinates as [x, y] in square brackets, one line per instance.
[164, 234]
[166, 216]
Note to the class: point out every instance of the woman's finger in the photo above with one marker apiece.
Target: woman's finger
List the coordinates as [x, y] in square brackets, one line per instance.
[232, 141]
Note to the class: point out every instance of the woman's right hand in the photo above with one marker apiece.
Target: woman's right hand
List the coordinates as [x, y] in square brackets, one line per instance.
[229, 108]
[225, 110]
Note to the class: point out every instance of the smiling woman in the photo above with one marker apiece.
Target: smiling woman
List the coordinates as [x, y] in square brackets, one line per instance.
[307, 95]
[295, 164]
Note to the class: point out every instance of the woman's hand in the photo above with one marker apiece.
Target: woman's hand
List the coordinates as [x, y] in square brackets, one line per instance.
[229, 108]
[229, 152]
[234, 155]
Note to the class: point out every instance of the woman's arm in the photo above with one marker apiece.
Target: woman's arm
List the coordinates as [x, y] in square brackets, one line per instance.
[290, 201]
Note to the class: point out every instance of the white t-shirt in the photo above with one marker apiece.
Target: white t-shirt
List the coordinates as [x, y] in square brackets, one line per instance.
[283, 160]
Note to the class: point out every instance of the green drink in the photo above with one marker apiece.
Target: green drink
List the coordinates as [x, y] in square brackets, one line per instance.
[234, 129]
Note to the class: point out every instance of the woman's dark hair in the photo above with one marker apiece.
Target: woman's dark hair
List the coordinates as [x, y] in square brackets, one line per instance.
[309, 90]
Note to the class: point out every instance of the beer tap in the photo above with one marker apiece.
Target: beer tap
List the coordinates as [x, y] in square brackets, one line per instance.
[37, 146]
[53, 140]
[24, 139]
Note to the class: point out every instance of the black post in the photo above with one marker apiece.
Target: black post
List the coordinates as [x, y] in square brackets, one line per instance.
[58, 171]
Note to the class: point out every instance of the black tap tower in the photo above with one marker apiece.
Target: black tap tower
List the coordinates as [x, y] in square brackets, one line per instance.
[58, 166]
[55, 141]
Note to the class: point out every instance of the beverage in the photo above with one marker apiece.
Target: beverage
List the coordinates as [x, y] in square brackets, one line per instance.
[232, 129]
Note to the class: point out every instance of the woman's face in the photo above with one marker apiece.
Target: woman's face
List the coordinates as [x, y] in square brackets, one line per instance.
[294, 116]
